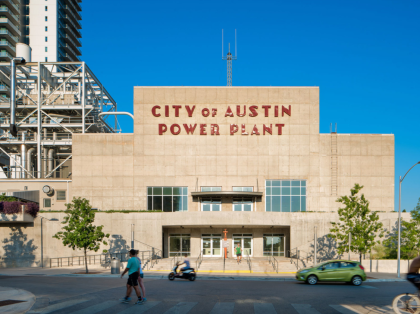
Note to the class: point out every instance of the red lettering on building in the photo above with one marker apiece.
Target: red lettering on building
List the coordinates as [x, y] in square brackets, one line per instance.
[233, 129]
[255, 130]
[266, 110]
[203, 129]
[279, 126]
[215, 129]
[229, 112]
[190, 129]
[173, 126]
[286, 111]
[190, 110]
[154, 111]
[205, 112]
[276, 111]
[162, 129]
[176, 110]
[238, 111]
[166, 111]
[267, 129]
[213, 112]
[253, 110]
[243, 130]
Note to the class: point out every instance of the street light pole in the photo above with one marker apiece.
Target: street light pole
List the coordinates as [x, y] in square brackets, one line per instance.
[399, 220]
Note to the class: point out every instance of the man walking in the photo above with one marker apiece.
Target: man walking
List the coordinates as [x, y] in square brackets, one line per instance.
[133, 275]
[238, 250]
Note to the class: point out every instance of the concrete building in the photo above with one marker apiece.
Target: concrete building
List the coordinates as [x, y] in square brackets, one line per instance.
[248, 160]
[52, 29]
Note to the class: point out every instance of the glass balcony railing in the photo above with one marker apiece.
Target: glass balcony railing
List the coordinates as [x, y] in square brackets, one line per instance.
[6, 43]
[6, 9]
[6, 32]
[5, 54]
[10, 24]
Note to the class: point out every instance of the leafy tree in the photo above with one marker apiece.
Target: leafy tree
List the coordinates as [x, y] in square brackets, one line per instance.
[357, 219]
[410, 237]
[4, 198]
[80, 232]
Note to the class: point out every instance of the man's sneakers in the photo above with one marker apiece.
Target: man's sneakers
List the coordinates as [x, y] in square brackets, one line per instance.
[125, 300]
[140, 301]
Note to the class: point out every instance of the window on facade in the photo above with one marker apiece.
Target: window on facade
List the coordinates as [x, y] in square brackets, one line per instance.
[61, 195]
[47, 202]
[46, 59]
[167, 198]
[46, 19]
[179, 244]
[46, 28]
[46, 8]
[242, 204]
[46, 38]
[274, 244]
[46, 49]
[243, 188]
[285, 196]
[211, 189]
[211, 204]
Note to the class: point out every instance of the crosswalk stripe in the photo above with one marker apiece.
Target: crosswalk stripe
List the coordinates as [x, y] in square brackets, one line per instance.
[305, 309]
[96, 308]
[55, 307]
[344, 309]
[140, 308]
[223, 308]
[264, 308]
[181, 308]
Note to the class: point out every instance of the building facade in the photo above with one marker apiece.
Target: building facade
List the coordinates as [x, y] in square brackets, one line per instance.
[51, 28]
[249, 160]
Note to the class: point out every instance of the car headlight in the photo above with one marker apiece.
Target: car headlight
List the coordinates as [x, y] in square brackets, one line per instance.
[304, 271]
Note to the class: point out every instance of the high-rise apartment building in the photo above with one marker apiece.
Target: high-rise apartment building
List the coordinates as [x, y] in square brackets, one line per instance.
[50, 27]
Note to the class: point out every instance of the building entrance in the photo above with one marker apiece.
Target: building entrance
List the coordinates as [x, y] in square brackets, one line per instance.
[245, 241]
[211, 245]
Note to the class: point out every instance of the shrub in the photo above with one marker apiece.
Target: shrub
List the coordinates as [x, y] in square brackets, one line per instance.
[10, 208]
[32, 209]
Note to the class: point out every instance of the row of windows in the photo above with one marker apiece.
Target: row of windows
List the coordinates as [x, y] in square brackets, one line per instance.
[280, 196]
[60, 196]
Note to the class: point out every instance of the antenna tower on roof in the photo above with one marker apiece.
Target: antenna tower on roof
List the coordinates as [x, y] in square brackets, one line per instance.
[229, 59]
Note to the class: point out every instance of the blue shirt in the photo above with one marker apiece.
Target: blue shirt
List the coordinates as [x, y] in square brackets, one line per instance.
[133, 265]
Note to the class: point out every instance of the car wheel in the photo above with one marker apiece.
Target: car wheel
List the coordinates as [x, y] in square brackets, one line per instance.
[312, 280]
[171, 276]
[192, 277]
[356, 281]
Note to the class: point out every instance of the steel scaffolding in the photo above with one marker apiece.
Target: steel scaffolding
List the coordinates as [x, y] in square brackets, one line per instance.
[54, 100]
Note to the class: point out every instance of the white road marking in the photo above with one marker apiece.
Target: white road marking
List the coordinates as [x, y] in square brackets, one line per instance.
[97, 307]
[345, 309]
[181, 308]
[58, 306]
[368, 287]
[223, 308]
[264, 308]
[305, 309]
[140, 308]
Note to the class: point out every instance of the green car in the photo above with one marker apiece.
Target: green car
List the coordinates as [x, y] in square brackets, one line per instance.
[339, 270]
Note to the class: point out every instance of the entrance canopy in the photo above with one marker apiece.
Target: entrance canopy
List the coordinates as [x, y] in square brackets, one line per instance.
[227, 193]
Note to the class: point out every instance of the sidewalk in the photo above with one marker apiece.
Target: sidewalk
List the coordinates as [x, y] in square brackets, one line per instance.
[211, 275]
[9, 295]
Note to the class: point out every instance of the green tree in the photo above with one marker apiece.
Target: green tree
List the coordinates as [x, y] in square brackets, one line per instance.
[357, 219]
[4, 198]
[80, 232]
[410, 237]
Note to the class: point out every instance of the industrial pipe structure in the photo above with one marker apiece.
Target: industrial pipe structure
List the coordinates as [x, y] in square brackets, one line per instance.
[49, 102]
[121, 113]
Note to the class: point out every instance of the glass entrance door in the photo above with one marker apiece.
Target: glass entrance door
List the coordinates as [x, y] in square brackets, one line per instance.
[245, 241]
[274, 244]
[211, 245]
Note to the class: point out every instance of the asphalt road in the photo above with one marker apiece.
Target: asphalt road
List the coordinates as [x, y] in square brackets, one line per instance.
[100, 295]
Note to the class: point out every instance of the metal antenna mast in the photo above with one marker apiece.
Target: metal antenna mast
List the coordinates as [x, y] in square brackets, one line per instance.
[229, 59]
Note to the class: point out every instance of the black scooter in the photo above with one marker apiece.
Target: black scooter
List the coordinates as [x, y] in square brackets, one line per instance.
[186, 274]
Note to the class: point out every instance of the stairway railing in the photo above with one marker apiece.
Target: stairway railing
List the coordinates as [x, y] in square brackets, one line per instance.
[198, 261]
[248, 260]
[274, 262]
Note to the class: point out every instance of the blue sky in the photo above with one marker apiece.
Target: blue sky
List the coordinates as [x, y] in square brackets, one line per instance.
[364, 56]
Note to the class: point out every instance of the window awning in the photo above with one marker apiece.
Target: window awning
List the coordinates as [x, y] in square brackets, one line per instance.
[227, 193]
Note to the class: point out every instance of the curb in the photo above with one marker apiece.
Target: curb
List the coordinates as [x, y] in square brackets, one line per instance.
[7, 293]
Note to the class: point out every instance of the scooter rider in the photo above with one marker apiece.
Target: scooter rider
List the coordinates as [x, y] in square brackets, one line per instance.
[186, 262]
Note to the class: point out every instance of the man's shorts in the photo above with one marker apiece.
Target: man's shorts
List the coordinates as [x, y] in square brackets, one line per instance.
[133, 279]
[414, 279]
[240, 254]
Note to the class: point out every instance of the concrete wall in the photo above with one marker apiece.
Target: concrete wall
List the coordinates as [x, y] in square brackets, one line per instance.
[21, 244]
